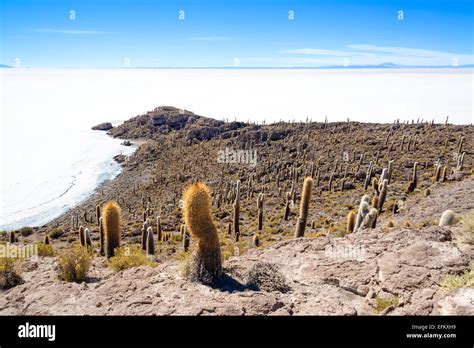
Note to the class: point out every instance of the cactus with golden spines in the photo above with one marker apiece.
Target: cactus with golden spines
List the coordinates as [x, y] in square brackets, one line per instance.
[206, 266]
[351, 218]
[304, 207]
[111, 218]
[256, 240]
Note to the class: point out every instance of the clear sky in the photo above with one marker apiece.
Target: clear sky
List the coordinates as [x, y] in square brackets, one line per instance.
[259, 33]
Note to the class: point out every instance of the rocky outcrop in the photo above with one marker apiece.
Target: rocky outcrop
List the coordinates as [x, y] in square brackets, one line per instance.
[103, 126]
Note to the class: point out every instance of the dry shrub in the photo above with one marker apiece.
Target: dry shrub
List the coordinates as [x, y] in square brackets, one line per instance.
[128, 256]
[45, 250]
[10, 269]
[74, 263]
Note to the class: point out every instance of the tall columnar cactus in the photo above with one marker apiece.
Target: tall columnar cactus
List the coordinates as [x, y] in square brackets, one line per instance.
[363, 210]
[144, 235]
[414, 179]
[437, 173]
[304, 207]
[11, 237]
[350, 222]
[260, 211]
[444, 173]
[330, 181]
[46, 240]
[97, 214]
[237, 209]
[101, 236]
[390, 171]
[447, 218]
[206, 266]
[87, 238]
[111, 218]
[460, 144]
[286, 214]
[82, 237]
[460, 164]
[382, 196]
[150, 242]
[158, 227]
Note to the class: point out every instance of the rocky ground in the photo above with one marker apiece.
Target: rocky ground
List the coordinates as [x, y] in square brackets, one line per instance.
[385, 270]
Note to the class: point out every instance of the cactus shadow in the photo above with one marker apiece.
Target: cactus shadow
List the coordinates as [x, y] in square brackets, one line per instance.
[227, 283]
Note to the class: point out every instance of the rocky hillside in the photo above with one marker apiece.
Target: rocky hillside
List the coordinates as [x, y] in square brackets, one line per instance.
[377, 271]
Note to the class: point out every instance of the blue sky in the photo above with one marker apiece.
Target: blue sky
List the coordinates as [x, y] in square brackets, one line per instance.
[150, 33]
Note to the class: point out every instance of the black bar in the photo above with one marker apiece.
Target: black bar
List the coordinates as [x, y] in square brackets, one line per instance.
[242, 331]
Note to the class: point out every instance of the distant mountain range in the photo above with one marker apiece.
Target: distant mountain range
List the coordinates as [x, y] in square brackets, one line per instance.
[387, 65]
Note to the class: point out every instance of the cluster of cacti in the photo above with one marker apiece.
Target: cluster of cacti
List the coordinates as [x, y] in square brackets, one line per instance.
[362, 212]
[304, 207]
[206, 266]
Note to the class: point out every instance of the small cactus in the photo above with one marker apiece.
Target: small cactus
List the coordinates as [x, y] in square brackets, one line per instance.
[370, 219]
[46, 240]
[447, 218]
[256, 240]
[111, 216]
[185, 241]
[304, 207]
[390, 223]
[350, 222]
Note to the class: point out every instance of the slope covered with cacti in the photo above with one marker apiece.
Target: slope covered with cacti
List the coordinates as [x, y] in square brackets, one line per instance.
[254, 187]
